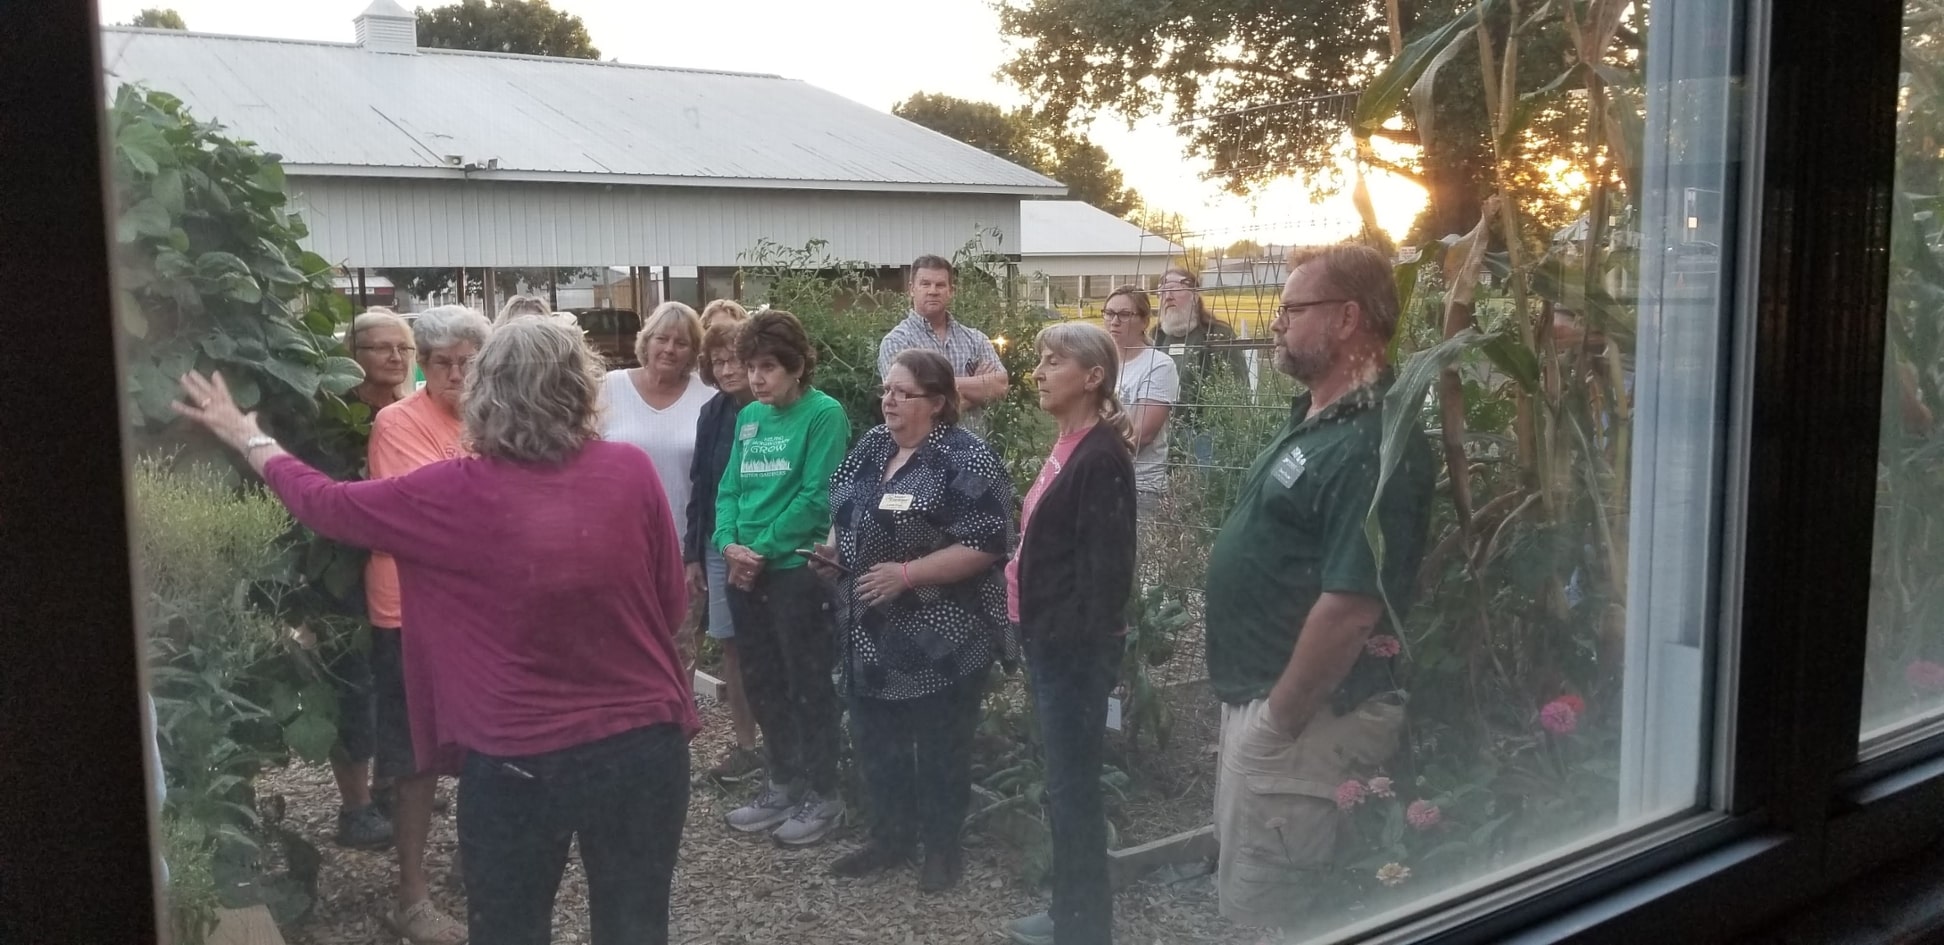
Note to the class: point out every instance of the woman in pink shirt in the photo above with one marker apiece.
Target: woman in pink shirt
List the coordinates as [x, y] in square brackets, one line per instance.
[1069, 585]
[543, 583]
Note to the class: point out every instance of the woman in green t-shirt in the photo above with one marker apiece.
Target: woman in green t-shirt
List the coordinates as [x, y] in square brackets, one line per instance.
[774, 499]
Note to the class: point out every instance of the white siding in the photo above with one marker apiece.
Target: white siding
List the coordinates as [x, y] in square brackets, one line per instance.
[431, 223]
[1128, 264]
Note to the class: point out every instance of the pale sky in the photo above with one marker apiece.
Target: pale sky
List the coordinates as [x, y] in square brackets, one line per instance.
[874, 52]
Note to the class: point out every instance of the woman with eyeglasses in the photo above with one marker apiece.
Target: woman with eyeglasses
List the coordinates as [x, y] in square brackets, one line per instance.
[1150, 384]
[708, 572]
[922, 514]
[381, 342]
[422, 429]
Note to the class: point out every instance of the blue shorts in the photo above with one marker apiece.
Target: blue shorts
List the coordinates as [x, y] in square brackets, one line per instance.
[716, 569]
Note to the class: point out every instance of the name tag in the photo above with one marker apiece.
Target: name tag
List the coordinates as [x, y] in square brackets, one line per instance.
[1290, 467]
[747, 432]
[895, 502]
[1175, 351]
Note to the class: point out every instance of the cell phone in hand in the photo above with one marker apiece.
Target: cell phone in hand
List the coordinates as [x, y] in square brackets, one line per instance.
[809, 554]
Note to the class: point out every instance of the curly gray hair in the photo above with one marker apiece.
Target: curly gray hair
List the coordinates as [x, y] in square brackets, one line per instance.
[534, 393]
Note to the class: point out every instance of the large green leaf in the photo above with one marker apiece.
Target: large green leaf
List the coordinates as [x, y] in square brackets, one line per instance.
[1384, 96]
[1423, 107]
[1511, 356]
[1403, 408]
[168, 190]
[269, 177]
[310, 735]
[143, 146]
[216, 264]
[146, 218]
[301, 379]
[341, 375]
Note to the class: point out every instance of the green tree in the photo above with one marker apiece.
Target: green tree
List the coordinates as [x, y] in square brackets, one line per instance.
[1271, 88]
[1088, 172]
[1243, 249]
[1026, 138]
[157, 18]
[528, 27]
[982, 125]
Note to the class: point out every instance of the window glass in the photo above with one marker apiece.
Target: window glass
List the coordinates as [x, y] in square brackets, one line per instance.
[1904, 675]
[1368, 542]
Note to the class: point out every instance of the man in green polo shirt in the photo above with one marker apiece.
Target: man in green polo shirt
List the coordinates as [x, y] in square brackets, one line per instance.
[1299, 634]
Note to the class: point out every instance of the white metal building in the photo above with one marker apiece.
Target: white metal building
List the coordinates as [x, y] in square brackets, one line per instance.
[405, 157]
[1069, 251]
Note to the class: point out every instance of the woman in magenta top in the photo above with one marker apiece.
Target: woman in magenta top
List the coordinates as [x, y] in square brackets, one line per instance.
[543, 581]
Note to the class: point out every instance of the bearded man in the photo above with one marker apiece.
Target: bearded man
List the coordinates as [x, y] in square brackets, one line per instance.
[1196, 340]
[1301, 614]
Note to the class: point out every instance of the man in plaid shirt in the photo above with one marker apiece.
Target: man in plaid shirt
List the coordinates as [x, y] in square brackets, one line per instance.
[981, 378]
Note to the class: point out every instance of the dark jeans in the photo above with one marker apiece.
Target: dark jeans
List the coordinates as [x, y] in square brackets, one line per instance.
[625, 796]
[1070, 682]
[916, 755]
[786, 638]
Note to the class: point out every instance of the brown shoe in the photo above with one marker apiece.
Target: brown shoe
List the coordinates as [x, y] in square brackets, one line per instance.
[872, 857]
[737, 763]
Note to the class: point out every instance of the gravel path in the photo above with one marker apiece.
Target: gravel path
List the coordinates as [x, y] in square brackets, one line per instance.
[735, 889]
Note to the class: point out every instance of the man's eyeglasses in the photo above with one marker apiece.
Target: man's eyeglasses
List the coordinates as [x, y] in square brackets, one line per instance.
[896, 396]
[402, 351]
[1293, 309]
[1174, 287]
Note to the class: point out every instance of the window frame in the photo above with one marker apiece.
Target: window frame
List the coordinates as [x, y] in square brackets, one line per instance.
[1794, 814]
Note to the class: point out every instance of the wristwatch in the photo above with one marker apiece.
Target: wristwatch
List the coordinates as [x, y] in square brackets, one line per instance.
[258, 441]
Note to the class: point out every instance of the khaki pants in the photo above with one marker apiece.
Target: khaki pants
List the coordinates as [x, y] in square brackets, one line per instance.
[1275, 803]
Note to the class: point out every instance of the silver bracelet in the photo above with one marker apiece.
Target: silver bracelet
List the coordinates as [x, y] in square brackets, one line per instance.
[257, 441]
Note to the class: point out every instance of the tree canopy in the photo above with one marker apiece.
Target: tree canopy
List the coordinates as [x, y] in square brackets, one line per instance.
[529, 27]
[1267, 90]
[1025, 138]
[159, 18]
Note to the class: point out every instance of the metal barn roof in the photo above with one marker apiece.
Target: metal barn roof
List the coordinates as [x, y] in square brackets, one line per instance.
[1073, 228]
[344, 109]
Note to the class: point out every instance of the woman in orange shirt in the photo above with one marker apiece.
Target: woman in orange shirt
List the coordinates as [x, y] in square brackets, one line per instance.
[419, 430]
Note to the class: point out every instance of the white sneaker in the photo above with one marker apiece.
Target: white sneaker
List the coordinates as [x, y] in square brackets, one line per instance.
[772, 807]
[813, 820]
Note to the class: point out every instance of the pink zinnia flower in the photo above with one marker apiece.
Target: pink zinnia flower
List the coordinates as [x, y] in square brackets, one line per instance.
[1559, 718]
[1422, 814]
[1393, 874]
[1577, 704]
[1381, 786]
[1384, 645]
[1349, 794]
[1924, 675]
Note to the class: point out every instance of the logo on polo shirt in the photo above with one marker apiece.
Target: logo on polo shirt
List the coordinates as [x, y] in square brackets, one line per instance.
[1290, 467]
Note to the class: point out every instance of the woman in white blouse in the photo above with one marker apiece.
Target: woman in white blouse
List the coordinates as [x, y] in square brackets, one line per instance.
[656, 406]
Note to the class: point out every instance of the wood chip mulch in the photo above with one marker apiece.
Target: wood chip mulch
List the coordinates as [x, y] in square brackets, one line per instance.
[736, 889]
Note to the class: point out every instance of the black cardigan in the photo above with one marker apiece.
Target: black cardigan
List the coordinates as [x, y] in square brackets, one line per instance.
[1076, 560]
[715, 432]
